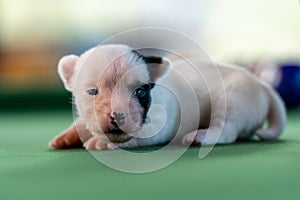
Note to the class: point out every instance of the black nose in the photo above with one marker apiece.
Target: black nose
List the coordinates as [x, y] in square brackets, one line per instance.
[113, 121]
[117, 119]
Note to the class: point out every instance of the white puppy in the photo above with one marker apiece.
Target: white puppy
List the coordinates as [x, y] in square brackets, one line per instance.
[117, 92]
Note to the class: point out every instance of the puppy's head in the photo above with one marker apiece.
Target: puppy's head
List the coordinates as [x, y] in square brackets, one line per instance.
[111, 85]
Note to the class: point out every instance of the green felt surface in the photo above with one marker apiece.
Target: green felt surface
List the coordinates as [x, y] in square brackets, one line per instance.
[248, 170]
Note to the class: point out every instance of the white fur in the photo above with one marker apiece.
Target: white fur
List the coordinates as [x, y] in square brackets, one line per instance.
[249, 101]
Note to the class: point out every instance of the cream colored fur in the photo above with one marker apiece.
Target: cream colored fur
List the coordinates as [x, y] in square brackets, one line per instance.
[247, 101]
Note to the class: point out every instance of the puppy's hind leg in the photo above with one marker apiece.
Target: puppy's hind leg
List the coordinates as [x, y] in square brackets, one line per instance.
[223, 127]
[210, 136]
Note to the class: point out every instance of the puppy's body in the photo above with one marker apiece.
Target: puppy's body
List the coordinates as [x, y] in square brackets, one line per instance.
[249, 102]
[205, 104]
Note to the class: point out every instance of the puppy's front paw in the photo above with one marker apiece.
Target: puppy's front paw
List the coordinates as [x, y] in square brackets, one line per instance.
[96, 143]
[68, 139]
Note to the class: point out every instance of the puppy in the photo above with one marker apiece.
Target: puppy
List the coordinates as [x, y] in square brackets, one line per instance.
[126, 99]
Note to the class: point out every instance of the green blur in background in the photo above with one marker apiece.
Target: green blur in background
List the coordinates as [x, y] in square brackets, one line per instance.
[34, 106]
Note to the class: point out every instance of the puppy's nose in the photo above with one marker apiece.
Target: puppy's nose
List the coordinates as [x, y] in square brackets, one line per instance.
[113, 121]
[117, 119]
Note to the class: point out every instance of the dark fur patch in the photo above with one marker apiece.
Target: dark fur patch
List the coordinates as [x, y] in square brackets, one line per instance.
[153, 59]
[145, 101]
[148, 59]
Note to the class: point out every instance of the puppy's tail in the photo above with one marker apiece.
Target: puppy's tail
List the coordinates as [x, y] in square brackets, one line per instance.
[276, 117]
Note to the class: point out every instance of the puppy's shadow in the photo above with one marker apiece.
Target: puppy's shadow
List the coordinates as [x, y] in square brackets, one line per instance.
[239, 148]
[250, 146]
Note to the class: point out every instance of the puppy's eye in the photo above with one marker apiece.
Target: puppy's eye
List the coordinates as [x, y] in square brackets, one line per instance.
[92, 91]
[141, 91]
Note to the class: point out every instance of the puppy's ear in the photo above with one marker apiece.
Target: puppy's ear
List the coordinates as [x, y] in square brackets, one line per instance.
[157, 66]
[66, 68]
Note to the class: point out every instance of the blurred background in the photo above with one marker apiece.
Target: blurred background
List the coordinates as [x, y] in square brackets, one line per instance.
[34, 34]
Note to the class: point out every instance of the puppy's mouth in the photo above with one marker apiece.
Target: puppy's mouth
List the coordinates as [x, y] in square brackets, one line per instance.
[117, 136]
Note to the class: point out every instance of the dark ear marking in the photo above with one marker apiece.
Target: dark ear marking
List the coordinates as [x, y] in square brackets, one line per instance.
[137, 53]
[148, 59]
[152, 85]
[153, 59]
[157, 66]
